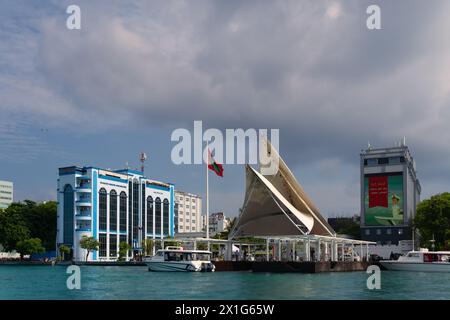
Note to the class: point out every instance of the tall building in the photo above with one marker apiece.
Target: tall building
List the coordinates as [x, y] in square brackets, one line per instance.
[113, 207]
[189, 212]
[390, 192]
[6, 194]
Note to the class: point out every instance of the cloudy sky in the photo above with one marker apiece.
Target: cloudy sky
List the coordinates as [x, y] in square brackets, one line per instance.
[137, 70]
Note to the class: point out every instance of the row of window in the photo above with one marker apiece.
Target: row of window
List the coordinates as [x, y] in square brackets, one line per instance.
[379, 232]
[188, 228]
[113, 246]
[187, 220]
[384, 161]
[135, 214]
[5, 192]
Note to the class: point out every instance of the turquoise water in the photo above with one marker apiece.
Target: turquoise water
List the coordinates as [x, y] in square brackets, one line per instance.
[46, 282]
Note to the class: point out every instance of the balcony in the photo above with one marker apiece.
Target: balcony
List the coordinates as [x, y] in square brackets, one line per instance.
[83, 203]
[83, 216]
[83, 229]
[84, 188]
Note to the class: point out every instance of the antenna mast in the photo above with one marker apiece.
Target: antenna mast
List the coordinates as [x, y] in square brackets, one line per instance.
[143, 158]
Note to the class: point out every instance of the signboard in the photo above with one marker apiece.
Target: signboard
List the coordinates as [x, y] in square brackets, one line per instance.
[383, 200]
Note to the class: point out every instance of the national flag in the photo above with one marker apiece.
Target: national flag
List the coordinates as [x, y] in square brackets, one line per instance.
[214, 166]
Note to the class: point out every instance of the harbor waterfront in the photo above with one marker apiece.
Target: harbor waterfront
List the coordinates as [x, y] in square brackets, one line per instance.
[116, 282]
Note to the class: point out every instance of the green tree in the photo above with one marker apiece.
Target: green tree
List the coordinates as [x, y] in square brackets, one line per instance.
[13, 227]
[124, 247]
[433, 220]
[29, 246]
[89, 244]
[27, 219]
[147, 246]
[63, 250]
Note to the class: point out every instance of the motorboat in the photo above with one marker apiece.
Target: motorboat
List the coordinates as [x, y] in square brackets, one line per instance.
[178, 259]
[423, 260]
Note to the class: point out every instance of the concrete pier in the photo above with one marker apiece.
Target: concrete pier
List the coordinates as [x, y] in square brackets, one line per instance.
[291, 266]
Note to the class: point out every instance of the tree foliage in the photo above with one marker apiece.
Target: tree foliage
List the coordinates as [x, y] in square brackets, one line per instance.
[433, 220]
[24, 220]
[90, 244]
[29, 246]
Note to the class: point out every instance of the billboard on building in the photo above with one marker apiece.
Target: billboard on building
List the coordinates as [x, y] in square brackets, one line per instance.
[383, 200]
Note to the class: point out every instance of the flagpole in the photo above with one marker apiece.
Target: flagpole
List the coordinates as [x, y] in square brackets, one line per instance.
[207, 195]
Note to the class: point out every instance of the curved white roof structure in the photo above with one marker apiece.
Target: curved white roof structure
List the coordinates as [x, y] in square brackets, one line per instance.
[276, 205]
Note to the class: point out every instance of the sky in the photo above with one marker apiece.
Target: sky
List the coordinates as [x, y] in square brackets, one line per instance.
[137, 70]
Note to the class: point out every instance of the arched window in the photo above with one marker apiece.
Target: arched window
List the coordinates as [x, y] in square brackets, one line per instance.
[102, 209]
[123, 212]
[135, 211]
[142, 215]
[149, 214]
[175, 217]
[113, 211]
[68, 215]
[158, 216]
[166, 216]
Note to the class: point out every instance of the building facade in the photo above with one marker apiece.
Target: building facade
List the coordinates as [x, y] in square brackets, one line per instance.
[113, 207]
[217, 223]
[6, 194]
[390, 192]
[189, 212]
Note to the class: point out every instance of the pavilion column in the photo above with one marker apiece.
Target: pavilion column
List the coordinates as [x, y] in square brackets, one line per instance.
[294, 256]
[279, 250]
[367, 251]
[229, 251]
[361, 251]
[267, 249]
[319, 250]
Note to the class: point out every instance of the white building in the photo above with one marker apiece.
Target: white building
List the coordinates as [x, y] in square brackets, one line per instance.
[189, 212]
[6, 194]
[217, 223]
[113, 207]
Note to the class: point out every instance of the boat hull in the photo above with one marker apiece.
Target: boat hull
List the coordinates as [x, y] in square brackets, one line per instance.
[178, 267]
[416, 266]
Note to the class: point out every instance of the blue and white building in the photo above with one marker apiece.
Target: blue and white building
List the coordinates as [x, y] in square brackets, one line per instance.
[113, 207]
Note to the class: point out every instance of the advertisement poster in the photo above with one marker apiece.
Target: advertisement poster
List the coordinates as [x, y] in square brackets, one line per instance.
[383, 200]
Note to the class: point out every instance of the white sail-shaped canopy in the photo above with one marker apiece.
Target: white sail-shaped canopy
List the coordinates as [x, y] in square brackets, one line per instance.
[277, 205]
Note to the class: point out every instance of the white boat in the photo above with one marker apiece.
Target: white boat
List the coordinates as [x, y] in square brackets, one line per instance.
[424, 260]
[178, 259]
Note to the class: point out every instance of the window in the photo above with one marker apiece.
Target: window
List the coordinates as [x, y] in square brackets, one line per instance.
[181, 219]
[68, 215]
[143, 207]
[130, 216]
[113, 245]
[193, 221]
[102, 209]
[378, 232]
[187, 220]
[113, 211]
[383, 160]
[135, 211]
[367, 231]
[372, 162]
[400, 231]
[193, 228]
[149, 214]
[123, 212]
[166, 215]
[102, 240]
[388, 231]
[122, 238]
[158, 216]
[175, 216]
[394, 160]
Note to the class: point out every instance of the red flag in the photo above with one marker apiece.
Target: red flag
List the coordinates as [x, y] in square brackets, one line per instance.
[214, 166]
